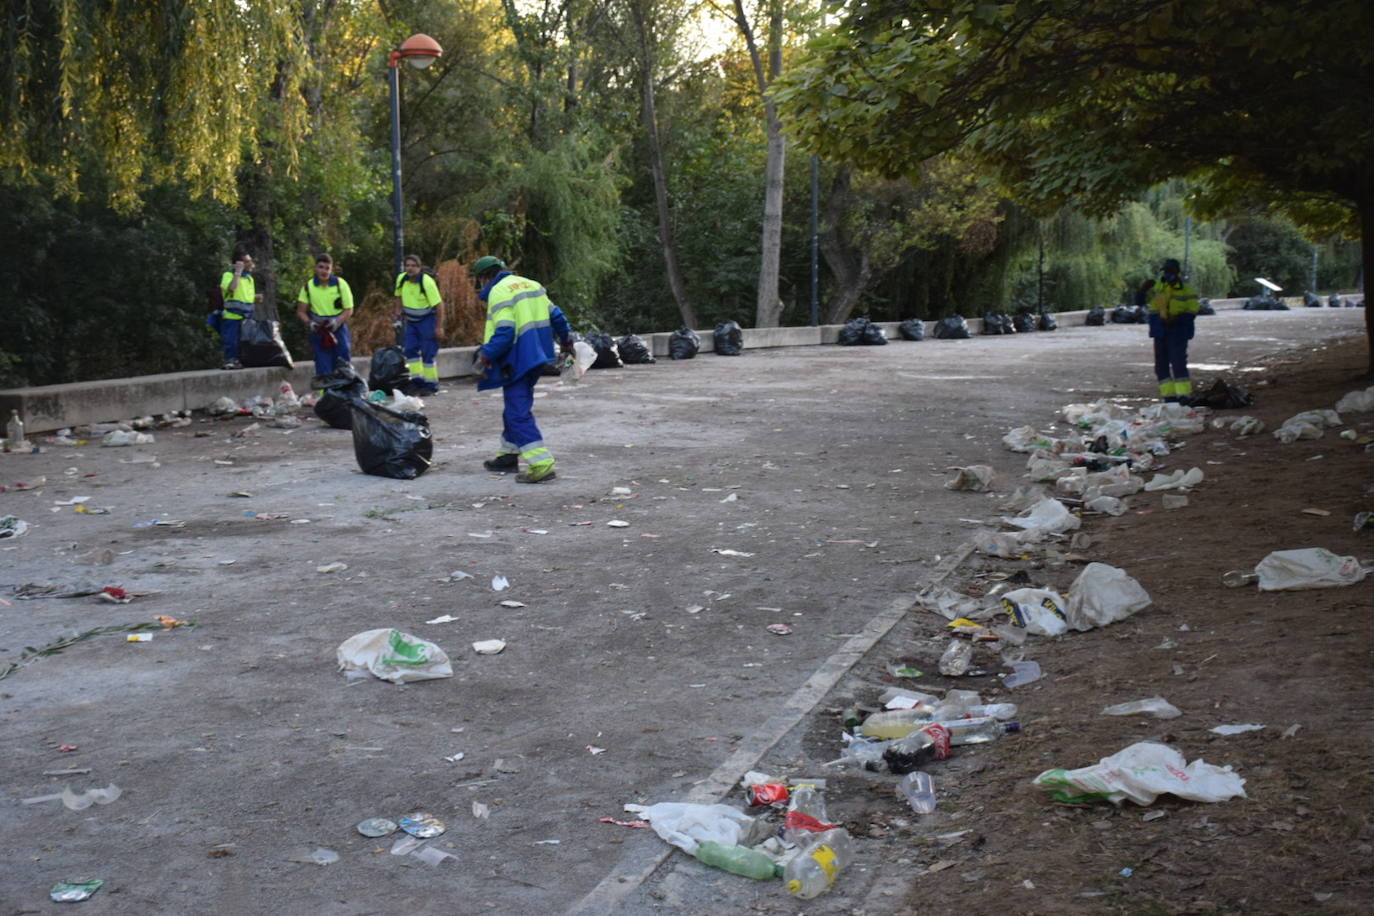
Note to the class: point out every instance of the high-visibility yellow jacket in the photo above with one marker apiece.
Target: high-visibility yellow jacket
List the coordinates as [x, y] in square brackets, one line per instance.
[238, 304]
[521, 323]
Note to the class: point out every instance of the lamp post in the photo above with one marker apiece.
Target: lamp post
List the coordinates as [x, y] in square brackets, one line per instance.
[420, 51]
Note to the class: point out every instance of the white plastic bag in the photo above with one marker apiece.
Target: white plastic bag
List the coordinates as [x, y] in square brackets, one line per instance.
[1025, 439]
[1310, 567]
[1107, 505]
[392, 656]
[1101, 595]
[976, 478]
[1291, 431]
[685, 824]
[573, 369]
[1177, 480]
[1247, 426]
[1158, 707]
[1355, 401]
[1048, 517]
[1039, 610]
[1141, 773]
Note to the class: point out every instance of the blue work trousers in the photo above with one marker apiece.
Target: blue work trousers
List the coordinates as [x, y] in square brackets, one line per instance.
[229, 331]
[420, 342]
[519, 431]
[327, 361]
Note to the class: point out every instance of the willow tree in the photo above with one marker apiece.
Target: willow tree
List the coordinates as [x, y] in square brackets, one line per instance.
[1260, 105]
[148, 93]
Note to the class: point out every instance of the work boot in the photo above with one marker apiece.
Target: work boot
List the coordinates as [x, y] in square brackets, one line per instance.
[536, 474]
[502, 463]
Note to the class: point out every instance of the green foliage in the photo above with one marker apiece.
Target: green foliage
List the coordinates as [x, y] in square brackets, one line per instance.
[1273, 249]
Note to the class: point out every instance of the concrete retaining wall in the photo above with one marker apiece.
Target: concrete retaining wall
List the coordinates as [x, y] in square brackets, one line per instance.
[52, 407]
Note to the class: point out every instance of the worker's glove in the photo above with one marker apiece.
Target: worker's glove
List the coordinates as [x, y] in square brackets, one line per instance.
[482, 361]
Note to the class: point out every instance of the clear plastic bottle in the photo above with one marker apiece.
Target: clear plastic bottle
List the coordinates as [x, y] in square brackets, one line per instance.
[895, 723]
[1238, 577]
[738, 860]
[906, 754]
[978, 731]
[806, 816]
[15, 431]
[812, 871]
[919, 791]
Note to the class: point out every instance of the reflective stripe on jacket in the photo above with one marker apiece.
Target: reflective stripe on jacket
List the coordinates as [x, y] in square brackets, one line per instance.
[418, 296]
[329, 300]
[239, 303]
[520, 329]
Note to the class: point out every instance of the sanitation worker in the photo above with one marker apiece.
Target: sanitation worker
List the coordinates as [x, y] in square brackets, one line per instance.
[419, 302]
[238, 289]
[1173, 306]
[516, 345]
[324, 305]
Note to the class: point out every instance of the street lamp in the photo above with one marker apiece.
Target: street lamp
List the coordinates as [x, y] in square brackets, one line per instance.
[420, 51]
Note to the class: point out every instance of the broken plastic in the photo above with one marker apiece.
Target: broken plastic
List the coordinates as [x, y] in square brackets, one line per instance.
[1157, 707]
[1022, 673]
[975, 478]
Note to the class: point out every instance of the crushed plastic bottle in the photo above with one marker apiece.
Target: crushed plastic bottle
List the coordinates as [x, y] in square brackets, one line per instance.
[738, 860]
[806, 815]
[919, 791]
[929, 743]
[813, 870]
[978, 731]
[1238, 577]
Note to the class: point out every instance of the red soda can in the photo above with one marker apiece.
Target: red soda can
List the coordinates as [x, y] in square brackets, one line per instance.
[767, 793]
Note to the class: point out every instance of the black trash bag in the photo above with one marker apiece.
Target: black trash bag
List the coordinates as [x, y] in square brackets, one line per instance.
[684, 343]
[1351, 304]
[955, 327]
[729, 339]
[874, 336]
[634, 351]
[1047, 322]
[340, 388]
[1130, 314]
[260, 345]
[852, 334]
[1311, 300]
[912, 329]
[390, 443]
[388, 370]
[1279, 306]
[1264, 303]
[607, 355]
[1334, 301]
[1023, 322]
[1204, 307]
[997, 323]
[1222, 396]
[1096, 317]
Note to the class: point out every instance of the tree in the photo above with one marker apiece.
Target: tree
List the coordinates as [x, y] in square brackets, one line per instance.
[1259, 105]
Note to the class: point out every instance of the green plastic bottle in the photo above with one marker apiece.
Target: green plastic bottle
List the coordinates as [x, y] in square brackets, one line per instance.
[738, 860]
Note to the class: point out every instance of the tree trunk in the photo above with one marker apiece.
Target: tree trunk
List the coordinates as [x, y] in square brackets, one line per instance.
[1367, 261]
[847, 262]
[768, 310]
[255, 198]
[665, 217]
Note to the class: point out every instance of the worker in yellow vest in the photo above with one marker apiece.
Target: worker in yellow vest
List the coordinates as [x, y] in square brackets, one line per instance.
[324, 305]
[1173, 307]
[239, 291]
[516, 345]
[421, 306]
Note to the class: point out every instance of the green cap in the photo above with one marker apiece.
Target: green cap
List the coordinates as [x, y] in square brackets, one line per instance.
[487, 262]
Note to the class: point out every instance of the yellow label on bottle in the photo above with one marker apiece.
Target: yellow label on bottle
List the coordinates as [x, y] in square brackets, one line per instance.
[825, 857]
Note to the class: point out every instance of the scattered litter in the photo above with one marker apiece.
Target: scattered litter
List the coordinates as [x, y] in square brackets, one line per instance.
[1153, 815]
[1234, 729]
[139, 637]
[643, 825]
[422, 825]
[975, 478]
[443, 618]
[432, 855]
[75, 891]
[1291, 730]
[392, 656]
[687, 824]
[377, 827]
[957, 658]
[1178, 480]
[726, 552]
[617, 523]
[1038, 610]
[499, 583]
[1311, 567]
[1158, 707]
[74, 802]
[779, 629]
[481, 811]
[12, 527]
[331, 568]
[621, 491]
[456, 757]
[1141, 773]
[320, 856]
[1320, 513]
[594, 750]
[1174, 500]
[458, 575]
[1022, 673]
[1102, 595]
[512, 603]
[118, 437]
[489, 646]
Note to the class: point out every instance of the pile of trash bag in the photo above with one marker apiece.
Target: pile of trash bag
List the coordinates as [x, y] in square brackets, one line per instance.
[260, 344]
[684, 343]
[1130, 314]
[955, 327]
[1096, 317]
[912, 329]
[1311, 300]
[1047, 322]
[1264, 303]
[861, 331]
[607, 353]
[340, 389]
[1023, 322]
[729, 339]
[390, 443]
[388, 370]
[997, 323]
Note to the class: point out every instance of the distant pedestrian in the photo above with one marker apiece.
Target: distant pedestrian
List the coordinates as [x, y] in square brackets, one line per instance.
[324, 305]
[239, 289]
[418, 301]
[516, 345]
[1173, 307]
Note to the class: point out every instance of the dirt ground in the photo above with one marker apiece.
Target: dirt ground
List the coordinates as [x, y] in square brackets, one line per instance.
[639, 667]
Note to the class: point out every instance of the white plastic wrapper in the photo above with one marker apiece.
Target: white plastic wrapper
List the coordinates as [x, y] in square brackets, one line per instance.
[1142, 773]
[392, 656]
[1038, 610]
[1158, 707]
[1354, 402]
[573, 369]
[1026, 439]
[1048, 517]
[1309, 567]
[1178, 480]
[687, 824]
[976, 478]
[1101, 595]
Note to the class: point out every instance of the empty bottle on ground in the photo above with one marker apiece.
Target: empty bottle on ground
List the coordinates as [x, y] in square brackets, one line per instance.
[738, 860]
[813, 870]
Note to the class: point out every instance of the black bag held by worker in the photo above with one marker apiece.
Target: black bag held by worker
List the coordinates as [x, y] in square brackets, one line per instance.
[1096, 317]
[729, 339]
[912, 329]
[1047, 322]
[955, 327]
[340, 388]
[260, 345]
[388, 370]
[634, 351]
[607, 355]
[684, 343]
[390, 443]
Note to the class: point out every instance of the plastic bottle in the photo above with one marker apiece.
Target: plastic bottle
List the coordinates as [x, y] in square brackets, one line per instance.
[919, 791]
[15, 430]
[812, 871]
[928, 743]
[806, 815]
[895, 723]
[978, 731]
[1238, 577]
[738, 860]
